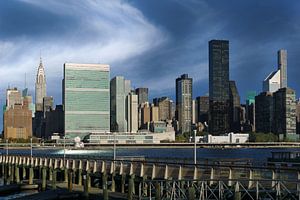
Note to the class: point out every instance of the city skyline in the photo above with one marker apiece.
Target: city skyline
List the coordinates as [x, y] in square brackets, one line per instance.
[172, 46]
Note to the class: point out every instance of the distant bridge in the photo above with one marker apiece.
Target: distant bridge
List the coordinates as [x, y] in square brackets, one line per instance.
[156, 180]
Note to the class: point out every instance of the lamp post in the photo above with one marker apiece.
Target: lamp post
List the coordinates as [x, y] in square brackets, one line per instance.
[114, 146]
[31, 147]
[7, 147]
[64, 149]
[195, 148]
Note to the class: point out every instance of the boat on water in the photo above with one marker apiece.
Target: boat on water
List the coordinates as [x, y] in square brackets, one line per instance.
[285, 159]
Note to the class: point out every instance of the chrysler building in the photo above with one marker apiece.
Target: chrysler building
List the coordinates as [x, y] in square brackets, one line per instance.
[40, 87]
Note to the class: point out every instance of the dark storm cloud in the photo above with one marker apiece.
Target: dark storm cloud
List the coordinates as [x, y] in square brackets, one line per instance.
[20, 19]
[255, 29]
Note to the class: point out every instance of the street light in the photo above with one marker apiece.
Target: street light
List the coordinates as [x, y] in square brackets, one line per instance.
[31, 147]
[114, 146]
[64, 149]
[7, 147]
[195, 148]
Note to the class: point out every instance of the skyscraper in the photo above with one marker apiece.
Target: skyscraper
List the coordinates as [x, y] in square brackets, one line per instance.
[235, 108]
[119, 89]
[277, 79]
[40, 87]
[284, 118]
[142, 95]
[218, 86]
[264, 112]
[184, 88]
[282, 66]
[86, 99]
[132, 113]
[203, 108]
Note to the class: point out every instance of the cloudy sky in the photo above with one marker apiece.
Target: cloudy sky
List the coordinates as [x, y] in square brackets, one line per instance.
[150, 42]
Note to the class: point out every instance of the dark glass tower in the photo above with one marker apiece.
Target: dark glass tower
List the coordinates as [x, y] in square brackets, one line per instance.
[219, 87]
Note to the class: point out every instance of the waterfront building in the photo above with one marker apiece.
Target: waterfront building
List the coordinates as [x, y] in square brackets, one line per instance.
[86, 99]
[234, 108]
[219, 87]
[184, 88]
[142, 95]
[277, 79]
[119, 89]
[230, 138]
[40, 87]
[264, 112]
[17, 119]
[164, 108]
[132, 113]
[284, 120]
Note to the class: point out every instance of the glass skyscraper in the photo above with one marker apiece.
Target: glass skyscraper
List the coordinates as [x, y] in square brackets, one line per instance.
[219, 86]
[86, 99]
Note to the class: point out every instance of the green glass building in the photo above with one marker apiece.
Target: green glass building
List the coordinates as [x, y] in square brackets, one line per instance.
[86, 99]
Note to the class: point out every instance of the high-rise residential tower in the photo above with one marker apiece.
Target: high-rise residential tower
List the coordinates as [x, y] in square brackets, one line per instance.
[282, 66]
[277, 79]
[40, 87]
[184, 88]
[219, 86]
[142, 95]
[86, 99]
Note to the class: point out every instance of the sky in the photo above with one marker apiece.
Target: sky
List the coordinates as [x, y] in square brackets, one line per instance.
[150, 42]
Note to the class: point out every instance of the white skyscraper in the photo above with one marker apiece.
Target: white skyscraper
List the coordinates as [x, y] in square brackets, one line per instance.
[40, 87]
[277, 79]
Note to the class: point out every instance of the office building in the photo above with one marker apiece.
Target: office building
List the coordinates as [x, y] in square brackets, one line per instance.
[54, 122]
[142, 95]
[119, 89]
[47, 104]
[284, 120]
[298, 116]
[13, 96]
[40, 87]
[145, 115]
[194, 111]
[17, 118]
[154, 113]
[164, 108]
[250, 110]
[219, 87]
[264, 112]
[86, 99]
[277, 79]
[234, 107]
[184, 88]
[203, 108]
[132, 113]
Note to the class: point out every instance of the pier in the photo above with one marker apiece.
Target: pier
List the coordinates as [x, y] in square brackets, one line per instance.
[134, 179]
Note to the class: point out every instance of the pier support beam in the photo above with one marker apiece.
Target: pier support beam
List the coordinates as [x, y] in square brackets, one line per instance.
[79, 177]
[70, 180]
[212, 176]
[113, 182]
[17, 174]
[191, 193]
[104, 186]
[157, 191]
[24, 172]
[31, 175]
[85, 178]
[131, 188]
[123, 180]
[54, 177]
[44, 178]
[237, 193]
